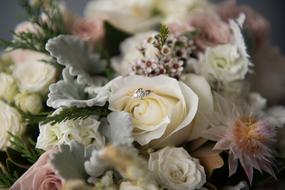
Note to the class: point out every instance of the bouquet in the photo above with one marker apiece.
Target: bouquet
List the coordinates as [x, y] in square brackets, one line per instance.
[141, 95]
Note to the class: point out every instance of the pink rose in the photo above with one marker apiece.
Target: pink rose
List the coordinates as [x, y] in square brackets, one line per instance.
[258, 26]
[212, 30]
[41, 176]
[89, 30]
[26, 26]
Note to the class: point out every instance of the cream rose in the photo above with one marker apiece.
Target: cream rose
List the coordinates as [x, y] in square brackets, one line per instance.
[8, 87]
[129, 186]
[179, 9]
[10, 121]
[29, 102]
[82, 131]
[175, 169]
[128, 15]
[224, 62]
[35, 76]
[162, 108]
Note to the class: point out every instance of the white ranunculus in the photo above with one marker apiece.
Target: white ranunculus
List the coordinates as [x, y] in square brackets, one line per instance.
[129, 186]
[8, 87]
[165, 115]
[130, 52]
[29, 102]
[128, 15]
[175, 169]
[224, 63]
[10, 121]
[82, 131]
[35, 76]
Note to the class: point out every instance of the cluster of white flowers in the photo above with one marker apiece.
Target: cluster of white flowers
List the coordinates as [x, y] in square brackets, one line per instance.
[132, 107]
[83, 131]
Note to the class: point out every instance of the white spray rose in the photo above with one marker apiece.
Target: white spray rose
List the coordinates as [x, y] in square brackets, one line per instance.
[162, 108]
[128, 15]
[130, 52]
[179, 9]
[224, 62]
[82, 131]
[175, 169]
[129, 186]
[35, 76]
[29, 102]
[10, 121]
[8, 87]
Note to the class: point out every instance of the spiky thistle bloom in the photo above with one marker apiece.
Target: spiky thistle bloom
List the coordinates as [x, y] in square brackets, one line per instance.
[247, 137]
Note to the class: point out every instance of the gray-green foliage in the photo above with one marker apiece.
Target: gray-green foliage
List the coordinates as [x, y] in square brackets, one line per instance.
[79, 58]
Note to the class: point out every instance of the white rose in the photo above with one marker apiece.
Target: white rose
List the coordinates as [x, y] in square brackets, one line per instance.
[206, 103]
[224, 62]
[128, 15]
[29, 102]
[130, 52]
[129, 186]
[164, 115]
[82, 131]
[8, 87]
[35, 76]
[20, 56]
[10, 121]
[175, 169]
[179, 9]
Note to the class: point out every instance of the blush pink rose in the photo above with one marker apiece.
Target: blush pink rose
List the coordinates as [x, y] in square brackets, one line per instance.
[212, 30]
[89, 30]
[41, 176]
[19, 56]
[257, 25]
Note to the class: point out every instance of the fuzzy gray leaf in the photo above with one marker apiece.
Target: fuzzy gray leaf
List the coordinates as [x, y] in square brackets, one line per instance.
[95, 166]
[78, 56]
[69, 161]
[68, 93]
[119, 128]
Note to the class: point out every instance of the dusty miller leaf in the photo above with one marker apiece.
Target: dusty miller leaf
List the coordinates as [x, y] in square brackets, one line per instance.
[69, 93]
[119, 128]
[77, 55]
[69, 161]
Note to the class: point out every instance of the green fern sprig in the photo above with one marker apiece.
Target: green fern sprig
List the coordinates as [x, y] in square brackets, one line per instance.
[7, 179]
[27, 150]
[75, 113]
[46, 27]
[72, 113]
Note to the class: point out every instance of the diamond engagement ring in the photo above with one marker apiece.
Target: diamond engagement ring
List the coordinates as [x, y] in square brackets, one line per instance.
[141, 93]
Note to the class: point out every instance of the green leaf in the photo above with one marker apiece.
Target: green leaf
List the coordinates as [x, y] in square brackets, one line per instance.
[113, 39]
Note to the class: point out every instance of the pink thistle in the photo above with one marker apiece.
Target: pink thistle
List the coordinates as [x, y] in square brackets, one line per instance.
[247, 138]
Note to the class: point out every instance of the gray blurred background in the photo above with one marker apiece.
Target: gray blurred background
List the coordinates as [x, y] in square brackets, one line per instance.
[11, 14]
